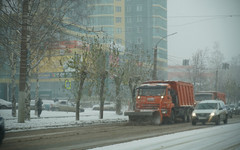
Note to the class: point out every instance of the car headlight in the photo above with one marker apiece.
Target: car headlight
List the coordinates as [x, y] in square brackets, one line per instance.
[213, 114]
[194, 114]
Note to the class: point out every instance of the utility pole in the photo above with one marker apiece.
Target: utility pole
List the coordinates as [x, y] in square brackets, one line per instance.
[216, 84]
[23, 62]
[154, 75]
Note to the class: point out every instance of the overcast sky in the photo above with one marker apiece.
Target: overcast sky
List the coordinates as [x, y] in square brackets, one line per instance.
[201, 23]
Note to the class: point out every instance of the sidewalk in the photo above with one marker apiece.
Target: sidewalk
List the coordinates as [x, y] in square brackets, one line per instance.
[57, 119]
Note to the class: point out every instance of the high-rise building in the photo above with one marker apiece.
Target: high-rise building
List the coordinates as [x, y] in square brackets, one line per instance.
[132, 23]
[108, 17]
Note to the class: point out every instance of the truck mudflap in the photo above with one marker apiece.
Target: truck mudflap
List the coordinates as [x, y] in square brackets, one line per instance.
[153, 117]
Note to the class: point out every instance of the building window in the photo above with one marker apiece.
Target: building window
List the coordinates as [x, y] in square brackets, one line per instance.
[139, 29]
[118, 19]
[129, 19]
[139, 7]
[139, 40]
[119, 41]
[129, 29]
[118, 9]
[139, 18]
[119, 30]
[128, 8]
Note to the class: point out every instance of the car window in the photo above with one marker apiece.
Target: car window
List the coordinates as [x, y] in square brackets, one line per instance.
[63, 102]
[222, 105]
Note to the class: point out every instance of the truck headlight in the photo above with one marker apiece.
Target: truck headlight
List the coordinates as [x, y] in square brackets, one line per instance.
[138, 97]
[194, 114]
[213, 114]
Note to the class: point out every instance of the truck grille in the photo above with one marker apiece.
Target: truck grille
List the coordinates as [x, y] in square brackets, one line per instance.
[150, 106]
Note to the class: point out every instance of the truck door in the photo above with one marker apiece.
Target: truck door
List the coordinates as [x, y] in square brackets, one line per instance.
[174, 96]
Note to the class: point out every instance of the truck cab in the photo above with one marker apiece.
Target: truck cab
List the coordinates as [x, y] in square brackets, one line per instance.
[155, 97]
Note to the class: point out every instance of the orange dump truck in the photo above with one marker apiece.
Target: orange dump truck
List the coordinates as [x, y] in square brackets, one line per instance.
[158, 101]
[209, 95]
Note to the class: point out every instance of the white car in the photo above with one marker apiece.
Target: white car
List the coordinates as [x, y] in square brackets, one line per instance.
[107, 107]
[210, 111]
[5, 104]
[65, 105]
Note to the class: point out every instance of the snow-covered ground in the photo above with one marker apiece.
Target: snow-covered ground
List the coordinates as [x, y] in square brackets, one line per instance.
[55, 119]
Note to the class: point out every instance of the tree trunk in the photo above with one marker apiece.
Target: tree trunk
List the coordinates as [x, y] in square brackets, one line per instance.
[132, 83]
[102, 86]
[23, 62]
[37, 91]
[13, 75]
[118, 101]
[82, 79]
[28, 95]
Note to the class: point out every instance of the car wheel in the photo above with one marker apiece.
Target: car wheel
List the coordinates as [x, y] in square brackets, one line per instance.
[217, 122]
[226, 120]
[3, 107]
[194, 122]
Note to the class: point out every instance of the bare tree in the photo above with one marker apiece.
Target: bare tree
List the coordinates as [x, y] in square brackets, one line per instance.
[99, 71]
[117, 73]
[10, 47]
[198, 70]
[41, 23]
[216, 61]
[80, 65]
[136, 70]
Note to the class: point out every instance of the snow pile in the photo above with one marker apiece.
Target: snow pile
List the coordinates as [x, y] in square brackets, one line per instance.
[55, 119]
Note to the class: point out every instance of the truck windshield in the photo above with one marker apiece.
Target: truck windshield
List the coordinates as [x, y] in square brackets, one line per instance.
[200, 97]
[152, 91]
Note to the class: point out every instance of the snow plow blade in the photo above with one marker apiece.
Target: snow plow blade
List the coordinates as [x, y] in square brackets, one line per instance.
[152, 117]
[133, 113]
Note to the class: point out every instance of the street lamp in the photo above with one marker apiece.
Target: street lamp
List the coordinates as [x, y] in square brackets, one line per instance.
[154, 76]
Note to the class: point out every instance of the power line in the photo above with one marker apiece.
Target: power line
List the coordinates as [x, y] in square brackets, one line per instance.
[205, 16]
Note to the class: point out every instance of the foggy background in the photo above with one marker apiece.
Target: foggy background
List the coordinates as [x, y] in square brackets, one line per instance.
[201, 23]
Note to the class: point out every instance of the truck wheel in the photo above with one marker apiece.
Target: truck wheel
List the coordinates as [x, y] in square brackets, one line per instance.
[185, 117]
[172, 118]
[156, 118]
[189, 116]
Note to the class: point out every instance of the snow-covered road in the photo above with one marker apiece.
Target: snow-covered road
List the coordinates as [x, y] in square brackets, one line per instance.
[223, 137]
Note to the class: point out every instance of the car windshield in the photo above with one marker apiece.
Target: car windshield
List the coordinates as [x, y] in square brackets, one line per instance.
[152, 91]
[206, 106]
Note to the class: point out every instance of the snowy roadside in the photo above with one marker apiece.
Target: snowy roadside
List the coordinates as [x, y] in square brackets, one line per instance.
[57, 119]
